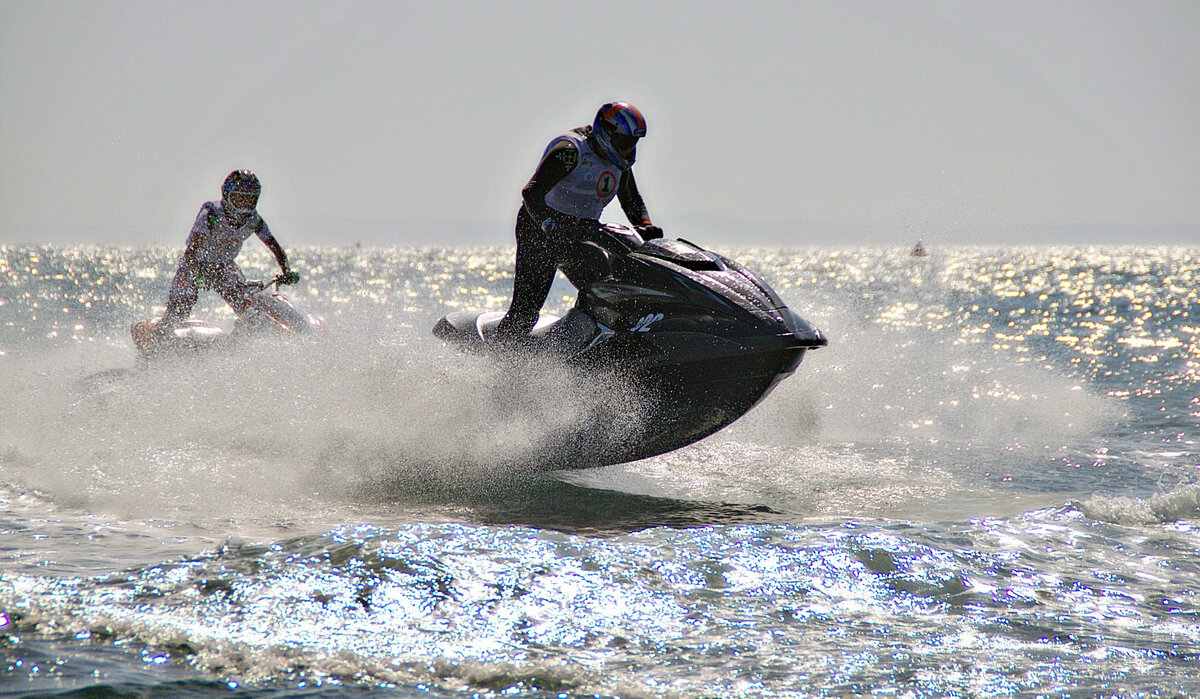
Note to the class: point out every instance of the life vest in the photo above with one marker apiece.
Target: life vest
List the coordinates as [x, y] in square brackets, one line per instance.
[588, 188]
[219, 239]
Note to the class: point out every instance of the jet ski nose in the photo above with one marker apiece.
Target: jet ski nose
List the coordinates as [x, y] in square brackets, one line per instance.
[805, 333]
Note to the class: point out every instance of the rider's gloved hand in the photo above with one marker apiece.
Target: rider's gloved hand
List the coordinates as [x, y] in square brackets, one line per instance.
[648, 231]
[289, 277]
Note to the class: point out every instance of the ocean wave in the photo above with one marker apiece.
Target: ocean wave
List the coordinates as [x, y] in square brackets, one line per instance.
[1163, 508]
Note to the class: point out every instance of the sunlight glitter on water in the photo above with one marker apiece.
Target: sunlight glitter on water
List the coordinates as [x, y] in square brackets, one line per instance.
[985, 485]
[905, 602]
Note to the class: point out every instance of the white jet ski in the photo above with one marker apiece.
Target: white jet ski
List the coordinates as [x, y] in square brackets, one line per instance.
[268, 312]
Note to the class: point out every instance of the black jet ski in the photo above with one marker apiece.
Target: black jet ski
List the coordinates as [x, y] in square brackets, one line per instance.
[703, 338]
[267, 312]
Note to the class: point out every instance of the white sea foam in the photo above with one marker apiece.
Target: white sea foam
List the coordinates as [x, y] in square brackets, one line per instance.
[341, 416]
[1178, 504]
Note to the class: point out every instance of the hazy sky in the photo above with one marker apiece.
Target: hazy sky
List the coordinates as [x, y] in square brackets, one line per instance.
[418, 122]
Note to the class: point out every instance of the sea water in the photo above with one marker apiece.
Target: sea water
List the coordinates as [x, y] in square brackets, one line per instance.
[988, 484]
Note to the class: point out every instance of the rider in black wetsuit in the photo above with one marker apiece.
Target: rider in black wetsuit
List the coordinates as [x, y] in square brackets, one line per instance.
[580, 173]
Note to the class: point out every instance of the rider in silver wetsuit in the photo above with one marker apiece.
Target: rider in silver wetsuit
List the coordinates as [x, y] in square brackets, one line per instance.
[216, 238]
[581, 172]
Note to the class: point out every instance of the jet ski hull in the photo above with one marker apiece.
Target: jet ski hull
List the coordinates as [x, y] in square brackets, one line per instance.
[688, 385]
[695, 399]
[190, 337]
[267, 313]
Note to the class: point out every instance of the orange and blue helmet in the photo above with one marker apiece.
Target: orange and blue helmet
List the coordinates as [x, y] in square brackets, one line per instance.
[617, 118]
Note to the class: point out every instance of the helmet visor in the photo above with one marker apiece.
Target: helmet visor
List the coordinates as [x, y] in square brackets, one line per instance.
[622, 143]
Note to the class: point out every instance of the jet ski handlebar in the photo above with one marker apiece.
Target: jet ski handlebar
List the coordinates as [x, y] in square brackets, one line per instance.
[612, 237]
[258, 286]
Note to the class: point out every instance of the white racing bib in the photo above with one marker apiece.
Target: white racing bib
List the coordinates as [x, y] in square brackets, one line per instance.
[220, 241]
[587, 189]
